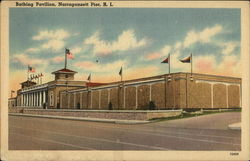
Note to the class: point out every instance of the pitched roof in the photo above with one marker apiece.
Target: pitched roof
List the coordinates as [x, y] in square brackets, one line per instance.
[64, 70]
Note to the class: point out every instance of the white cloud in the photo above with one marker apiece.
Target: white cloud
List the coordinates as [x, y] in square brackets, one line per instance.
[230, 65]
[54, 39]
[125, 41]
[159, 54]
[166, 50]
[54, 44]
[175, 61]
[59, 34]
[76, 50]
[25, 60]
[204, 36]
[58, 59]
[207, 64]
[228, 47]
[32, 50]
[178, 45]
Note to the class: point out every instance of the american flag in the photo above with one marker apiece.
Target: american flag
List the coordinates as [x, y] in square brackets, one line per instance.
[69, 54]
[31, 69]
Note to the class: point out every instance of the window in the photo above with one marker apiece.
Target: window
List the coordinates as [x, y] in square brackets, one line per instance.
[66, 76]
[51, 98]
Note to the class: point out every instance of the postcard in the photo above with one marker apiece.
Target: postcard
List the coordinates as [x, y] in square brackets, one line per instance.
[124, 80]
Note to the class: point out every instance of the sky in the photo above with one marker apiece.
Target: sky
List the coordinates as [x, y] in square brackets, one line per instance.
[138, 39]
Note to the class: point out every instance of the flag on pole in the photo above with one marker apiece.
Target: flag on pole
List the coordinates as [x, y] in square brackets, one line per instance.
[187, 60]
[89, 77]
[166, 60]
[31, 69]
[69, 54]
[120, 72]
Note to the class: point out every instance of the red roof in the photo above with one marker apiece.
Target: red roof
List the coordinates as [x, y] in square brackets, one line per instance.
[64, 70]
[94, 84]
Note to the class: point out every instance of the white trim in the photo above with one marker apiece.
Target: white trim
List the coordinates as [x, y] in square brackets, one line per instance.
[146, 81]
[91, 99]
[61, 97]
[37, 99]
[150, 88]
[124, 105]
[115, 85]
[240, 95]
[31, 103]
[110, 111]
[212, 95]
[51, 100]
[74, 98]
[81, 100]
[136, 99]
[22, 100]
[68, 103]
[99, 99]
[35, 87]
[108, 96]
[44, 96]
[216, 82]
[227, 95]
[40, 98]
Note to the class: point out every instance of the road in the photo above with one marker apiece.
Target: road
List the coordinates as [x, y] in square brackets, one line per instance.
[208, 132]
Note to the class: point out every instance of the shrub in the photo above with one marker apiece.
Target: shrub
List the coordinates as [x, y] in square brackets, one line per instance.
[110, 106]
[44, 105]
[78, 105]
[152, 105]
[58, 105]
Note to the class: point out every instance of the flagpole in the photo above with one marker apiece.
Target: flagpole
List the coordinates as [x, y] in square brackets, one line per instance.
[169, 64]
[121, 73]
[28, 73]
[65, 65]
[191, 64]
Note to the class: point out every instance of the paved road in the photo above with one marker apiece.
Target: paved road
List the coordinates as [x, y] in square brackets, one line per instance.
[208, 132]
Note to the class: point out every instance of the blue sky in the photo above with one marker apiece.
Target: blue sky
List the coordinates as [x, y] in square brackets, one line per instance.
[136, 38]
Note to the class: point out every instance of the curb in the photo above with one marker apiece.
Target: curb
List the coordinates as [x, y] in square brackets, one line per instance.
[116, 121]
[235, 126]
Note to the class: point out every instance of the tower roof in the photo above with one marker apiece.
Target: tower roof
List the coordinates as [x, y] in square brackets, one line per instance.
[64, 70]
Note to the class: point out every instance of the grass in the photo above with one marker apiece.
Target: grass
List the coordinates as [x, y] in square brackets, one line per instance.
[192, 114]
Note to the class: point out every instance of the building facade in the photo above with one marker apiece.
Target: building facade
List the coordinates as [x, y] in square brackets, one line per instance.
[46, 95]
[170, 91]
[173, 91]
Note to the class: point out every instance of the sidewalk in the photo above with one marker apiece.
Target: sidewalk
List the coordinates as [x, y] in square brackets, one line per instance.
[235, 126]
[116, 121]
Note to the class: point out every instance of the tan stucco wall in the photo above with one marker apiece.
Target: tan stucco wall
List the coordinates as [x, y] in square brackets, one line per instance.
[220, 99]
[198, 91]
[157, 95]
[233, 96]
[130, 98]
